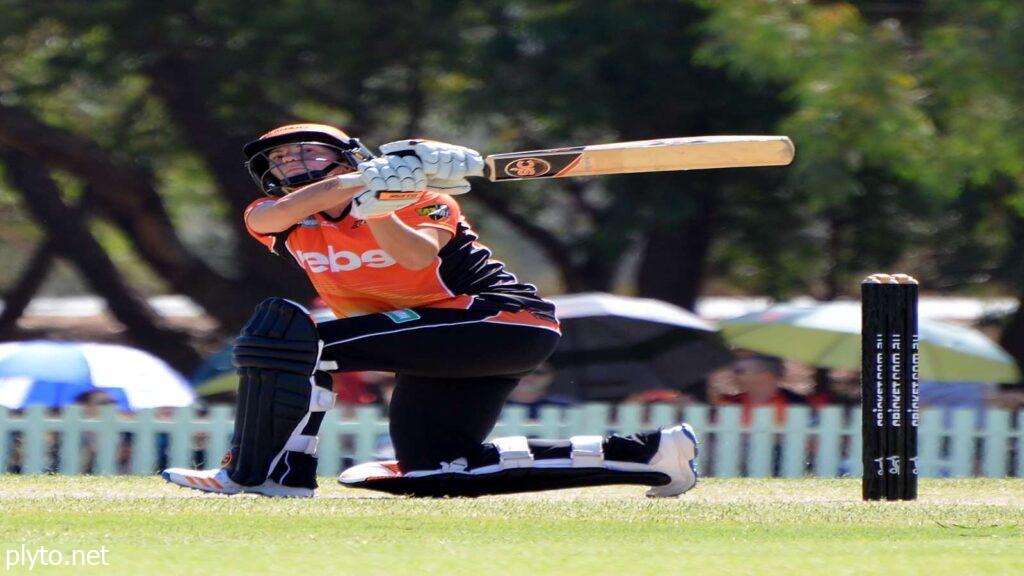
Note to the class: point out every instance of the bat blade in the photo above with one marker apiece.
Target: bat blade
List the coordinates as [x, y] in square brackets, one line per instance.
[662, 155]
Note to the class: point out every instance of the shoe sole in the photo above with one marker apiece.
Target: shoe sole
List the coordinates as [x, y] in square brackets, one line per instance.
[278, 491]
[206, 489]
[271, 491]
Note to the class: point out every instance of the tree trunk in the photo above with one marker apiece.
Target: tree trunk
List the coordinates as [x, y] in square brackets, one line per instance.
[127, 194]
[833, 260]
[18, 297]
[672, 263]
[1012, 338]
[71, 238]
[178, 81]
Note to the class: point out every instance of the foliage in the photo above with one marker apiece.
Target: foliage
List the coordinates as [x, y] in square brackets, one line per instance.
[908, 123]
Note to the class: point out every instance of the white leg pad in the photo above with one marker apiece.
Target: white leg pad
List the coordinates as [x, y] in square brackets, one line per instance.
[514, 452]
[587, 451]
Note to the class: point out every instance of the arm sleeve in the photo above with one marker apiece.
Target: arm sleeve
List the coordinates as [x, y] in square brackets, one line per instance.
[268, 240]
[433, 211]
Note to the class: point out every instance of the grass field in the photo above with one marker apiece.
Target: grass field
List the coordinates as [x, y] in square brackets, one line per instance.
[734, 527]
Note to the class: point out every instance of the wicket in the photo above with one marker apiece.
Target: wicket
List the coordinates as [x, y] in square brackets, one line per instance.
[889, 384]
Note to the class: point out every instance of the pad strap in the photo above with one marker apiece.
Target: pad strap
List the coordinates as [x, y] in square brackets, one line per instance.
[587, 451]
[514, 452]
[304, 444]
[321, 399]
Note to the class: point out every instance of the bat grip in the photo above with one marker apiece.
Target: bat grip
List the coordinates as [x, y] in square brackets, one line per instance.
[351, 180]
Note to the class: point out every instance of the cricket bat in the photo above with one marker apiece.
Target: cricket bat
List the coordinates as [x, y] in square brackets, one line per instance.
[662, 155]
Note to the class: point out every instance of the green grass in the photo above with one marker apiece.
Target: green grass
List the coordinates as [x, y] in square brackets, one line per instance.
[734, 527]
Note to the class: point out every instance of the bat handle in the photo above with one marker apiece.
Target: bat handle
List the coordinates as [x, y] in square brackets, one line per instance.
[351, 180]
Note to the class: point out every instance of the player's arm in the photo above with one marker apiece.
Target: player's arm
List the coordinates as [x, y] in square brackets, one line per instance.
[413, 248]
[273, 217]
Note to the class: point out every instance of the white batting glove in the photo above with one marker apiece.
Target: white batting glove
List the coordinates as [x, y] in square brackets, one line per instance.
[446, 165]
[394, 173]
[392, 183]
[373, 203]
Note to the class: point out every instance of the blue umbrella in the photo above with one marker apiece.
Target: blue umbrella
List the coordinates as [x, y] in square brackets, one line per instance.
[55, 374]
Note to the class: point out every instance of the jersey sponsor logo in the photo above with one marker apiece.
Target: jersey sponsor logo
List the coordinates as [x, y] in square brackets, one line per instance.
[403, 315]
[527, 167]
[434, 211]
[343, 260]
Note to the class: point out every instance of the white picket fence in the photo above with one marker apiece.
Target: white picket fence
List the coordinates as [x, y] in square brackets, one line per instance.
[823, 443]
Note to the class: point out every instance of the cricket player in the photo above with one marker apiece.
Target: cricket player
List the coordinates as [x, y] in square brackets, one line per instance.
[415, 293]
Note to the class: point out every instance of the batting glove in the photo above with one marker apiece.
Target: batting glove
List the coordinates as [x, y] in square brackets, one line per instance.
[392, 183]
[371, 204]
[446, 165]
[394, 173]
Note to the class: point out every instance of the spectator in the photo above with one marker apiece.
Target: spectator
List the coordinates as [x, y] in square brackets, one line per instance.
[1008, 397]
[351, 388]
[835, 387]
[758, 380]
[91, 402]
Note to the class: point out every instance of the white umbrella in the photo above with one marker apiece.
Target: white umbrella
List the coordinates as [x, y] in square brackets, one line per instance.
[828, 335]
[55, 373]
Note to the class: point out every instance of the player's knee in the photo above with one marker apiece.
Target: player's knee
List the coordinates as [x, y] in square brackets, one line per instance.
[280, 335]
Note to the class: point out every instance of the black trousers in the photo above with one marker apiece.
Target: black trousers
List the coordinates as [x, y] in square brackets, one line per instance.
[454, 368]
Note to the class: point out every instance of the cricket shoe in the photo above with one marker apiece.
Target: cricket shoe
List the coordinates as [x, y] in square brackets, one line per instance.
[217, 481]
[677, 457]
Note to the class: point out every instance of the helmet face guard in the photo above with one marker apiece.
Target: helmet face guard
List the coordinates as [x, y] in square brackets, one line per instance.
[268, 173]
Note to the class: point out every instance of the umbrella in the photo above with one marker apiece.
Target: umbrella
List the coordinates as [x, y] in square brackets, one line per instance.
[828, 336]
[54, 374]
[612, 346]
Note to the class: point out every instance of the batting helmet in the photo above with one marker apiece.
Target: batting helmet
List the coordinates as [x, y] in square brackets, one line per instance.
[350, 152]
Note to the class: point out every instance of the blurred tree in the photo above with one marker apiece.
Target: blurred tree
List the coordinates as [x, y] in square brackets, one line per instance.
[69, 237]
[907, 119]
[865, 173]
[975, 65]
[124, 95]
[922, 99]
[569, 72]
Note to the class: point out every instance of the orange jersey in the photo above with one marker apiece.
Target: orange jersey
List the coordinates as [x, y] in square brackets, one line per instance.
[355, 276]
